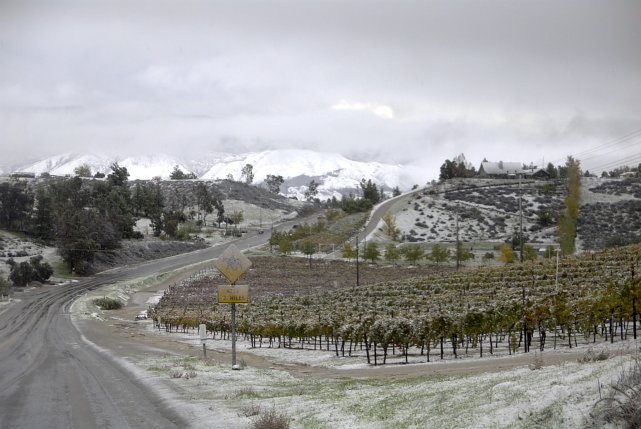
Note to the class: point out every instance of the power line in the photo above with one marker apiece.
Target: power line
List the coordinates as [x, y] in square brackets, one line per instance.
[613, 146]
[620, 162]
[613, 142]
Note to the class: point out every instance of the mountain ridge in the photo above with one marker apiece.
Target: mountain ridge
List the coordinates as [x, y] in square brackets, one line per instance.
[336, 174]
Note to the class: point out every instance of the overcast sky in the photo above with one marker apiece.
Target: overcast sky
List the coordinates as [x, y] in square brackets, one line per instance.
[392, 81]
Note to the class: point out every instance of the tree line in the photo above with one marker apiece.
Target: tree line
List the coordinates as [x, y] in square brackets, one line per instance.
[83, 217]
[451, 169]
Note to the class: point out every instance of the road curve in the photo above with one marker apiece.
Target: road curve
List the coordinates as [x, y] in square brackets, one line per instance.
[50, 378]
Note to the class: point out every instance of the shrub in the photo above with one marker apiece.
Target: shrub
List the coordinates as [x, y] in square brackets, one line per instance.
[21, 274]
[25, 272]
[250, 411]
[271, 419]
[5, 287]
[622, 407]
[108, 303]
[594, 356]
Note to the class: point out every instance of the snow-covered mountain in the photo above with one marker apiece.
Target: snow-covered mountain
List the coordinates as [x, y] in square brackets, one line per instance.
[141, 167]
[336, 174]
[66, 163]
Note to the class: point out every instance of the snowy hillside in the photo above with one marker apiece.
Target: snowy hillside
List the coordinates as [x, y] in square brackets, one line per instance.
[65, 163]
[333, 171]
[336, 174]
[142, 167]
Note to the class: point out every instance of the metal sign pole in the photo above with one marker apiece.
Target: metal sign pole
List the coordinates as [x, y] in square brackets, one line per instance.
[232, 264]
[202, 331]
[233, 337]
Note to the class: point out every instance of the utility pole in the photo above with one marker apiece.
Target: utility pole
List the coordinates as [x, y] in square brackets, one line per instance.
[520, 220]
[357, 273]
[556, 284]
[525, 342]
[458, 253]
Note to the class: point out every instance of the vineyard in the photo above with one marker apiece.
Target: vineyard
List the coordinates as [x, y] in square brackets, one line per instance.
[433, 313]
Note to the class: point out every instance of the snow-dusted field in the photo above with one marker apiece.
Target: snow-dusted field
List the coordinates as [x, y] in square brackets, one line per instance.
[359, 396]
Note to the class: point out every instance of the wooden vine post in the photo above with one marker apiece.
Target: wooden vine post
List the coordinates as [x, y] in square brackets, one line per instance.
[232, 264]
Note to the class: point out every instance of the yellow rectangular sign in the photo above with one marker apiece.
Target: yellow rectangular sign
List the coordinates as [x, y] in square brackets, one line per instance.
[237, 294]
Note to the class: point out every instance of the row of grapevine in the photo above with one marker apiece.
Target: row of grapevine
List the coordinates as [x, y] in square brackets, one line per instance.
[592, 297]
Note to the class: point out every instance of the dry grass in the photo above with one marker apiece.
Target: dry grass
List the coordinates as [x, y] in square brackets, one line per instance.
[622, 407]
[594, 356]
[271, 419]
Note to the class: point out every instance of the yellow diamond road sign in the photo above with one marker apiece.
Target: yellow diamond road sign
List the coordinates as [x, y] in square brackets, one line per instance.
[232, 264]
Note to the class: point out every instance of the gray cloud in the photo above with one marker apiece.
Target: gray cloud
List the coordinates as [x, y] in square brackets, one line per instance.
[521, 81]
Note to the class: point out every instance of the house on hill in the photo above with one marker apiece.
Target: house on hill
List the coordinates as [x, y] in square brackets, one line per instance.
[536, 173]
[510, 170]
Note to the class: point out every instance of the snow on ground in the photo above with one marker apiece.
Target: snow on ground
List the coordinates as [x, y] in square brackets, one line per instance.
[552, 396]
[20, 250]
[211, 393]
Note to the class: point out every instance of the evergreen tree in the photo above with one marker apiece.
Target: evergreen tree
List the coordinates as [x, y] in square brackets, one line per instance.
[178, 174]
[204, 201]
[312, 190]
[248, 174]
[16, 204]
[370, 191]
[43, 221]
[82, 170]
[274, 182]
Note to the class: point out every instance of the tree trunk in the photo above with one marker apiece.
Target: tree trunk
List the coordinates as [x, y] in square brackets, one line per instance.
[454, 339]
[621, 327]
[366, 349]
[611, 328]
[634, 317]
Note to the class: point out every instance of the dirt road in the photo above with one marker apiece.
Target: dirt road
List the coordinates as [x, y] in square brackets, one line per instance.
[50, 378]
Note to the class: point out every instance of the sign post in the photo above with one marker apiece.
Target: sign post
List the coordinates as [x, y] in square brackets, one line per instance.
[233, 264]
[202, 331]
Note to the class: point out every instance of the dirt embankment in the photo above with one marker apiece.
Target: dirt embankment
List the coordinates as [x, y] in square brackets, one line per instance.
[139, 251]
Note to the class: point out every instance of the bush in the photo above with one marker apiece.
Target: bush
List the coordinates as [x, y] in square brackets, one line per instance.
[108, 303]
[622, 407]
[21, 274]
[5, 287]
[271, 419]
[594, 356]
[25, 272]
